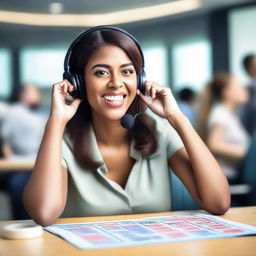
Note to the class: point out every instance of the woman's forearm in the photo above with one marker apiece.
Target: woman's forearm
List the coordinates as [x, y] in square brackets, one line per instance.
[45, 194]
[211, 183]
[232, 152]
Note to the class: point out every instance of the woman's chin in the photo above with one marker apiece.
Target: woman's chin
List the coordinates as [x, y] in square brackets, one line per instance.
[113, 116]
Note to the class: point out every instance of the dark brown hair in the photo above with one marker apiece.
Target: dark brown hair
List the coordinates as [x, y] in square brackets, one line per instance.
[247, 61]
[212, 93]
[143, 131]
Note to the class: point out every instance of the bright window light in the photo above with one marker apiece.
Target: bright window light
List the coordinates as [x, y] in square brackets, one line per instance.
[191, 65]
[5, 73]
[41, 66]
[155, 64]
[242, 39]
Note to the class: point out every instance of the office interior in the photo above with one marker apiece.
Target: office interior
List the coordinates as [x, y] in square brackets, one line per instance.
[182, 48]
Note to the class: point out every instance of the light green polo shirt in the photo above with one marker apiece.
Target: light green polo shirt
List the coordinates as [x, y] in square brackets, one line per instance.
[147, 189]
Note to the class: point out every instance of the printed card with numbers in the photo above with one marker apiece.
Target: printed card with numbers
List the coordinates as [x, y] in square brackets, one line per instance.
[153, 230]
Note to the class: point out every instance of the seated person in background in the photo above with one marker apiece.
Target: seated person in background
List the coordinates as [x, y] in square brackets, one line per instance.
[186, 101]
[219, 124]
[4, 107]
[21, 132]
[89, 165]
[248, 111]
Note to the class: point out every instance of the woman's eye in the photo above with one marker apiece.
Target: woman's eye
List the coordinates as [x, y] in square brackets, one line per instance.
[101, 73]
[127, 71]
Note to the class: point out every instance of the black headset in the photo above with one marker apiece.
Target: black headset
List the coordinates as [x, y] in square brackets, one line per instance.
[76, 79]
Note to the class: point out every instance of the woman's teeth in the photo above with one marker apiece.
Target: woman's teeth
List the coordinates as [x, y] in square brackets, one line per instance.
[114, 98]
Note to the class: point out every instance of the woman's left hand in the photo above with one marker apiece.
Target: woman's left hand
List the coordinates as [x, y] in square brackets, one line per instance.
[160, 100]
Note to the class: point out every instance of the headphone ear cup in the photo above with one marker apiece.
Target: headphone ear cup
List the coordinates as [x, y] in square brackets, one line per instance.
[77, 81]
[141, 80]
[80, 87]
[72, 79]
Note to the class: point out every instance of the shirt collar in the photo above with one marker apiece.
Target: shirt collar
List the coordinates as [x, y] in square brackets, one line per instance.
[94, 150]
[137, 155]
[97, 157]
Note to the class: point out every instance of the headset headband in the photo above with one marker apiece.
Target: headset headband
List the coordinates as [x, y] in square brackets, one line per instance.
[88, 32]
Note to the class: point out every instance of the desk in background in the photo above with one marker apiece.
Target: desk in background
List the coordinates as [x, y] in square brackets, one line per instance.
[16, 164]
[51, 245]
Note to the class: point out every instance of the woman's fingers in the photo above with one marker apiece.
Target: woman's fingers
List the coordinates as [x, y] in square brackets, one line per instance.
[144, 98]
[153, 92]
[76, 103]
[64, 87]
[151, 89]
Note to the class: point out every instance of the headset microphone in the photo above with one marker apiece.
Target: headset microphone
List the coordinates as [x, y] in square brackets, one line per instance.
[127, 121]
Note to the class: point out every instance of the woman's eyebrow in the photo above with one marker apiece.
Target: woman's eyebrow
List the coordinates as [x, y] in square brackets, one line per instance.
[126, 64]
[101, 66]
[109, 67]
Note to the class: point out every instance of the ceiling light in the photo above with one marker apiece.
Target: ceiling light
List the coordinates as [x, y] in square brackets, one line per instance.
[55, 8]
[89, 20]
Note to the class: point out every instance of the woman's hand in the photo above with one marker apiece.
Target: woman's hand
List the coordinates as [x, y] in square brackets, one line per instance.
[160, 100]
[60, 108]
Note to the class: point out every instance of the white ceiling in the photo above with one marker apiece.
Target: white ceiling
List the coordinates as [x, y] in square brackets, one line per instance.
[99, 6]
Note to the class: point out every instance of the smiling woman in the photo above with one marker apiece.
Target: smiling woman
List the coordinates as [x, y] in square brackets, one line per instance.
[89, 165]
[108, 63]
[119, 78]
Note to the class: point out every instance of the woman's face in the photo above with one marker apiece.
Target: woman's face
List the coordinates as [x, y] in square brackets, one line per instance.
[111, 82]
[236, 92]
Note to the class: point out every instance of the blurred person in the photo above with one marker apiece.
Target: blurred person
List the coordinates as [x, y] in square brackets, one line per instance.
[248, 111]
[219, 124]
[186, 101]
[3, 110]
[21, 133]
[89, 164]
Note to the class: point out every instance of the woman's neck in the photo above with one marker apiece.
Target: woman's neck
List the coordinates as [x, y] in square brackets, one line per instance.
[109, 132]
[229, 105]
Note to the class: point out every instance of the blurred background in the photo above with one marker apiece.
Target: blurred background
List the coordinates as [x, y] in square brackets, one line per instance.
[185, 43]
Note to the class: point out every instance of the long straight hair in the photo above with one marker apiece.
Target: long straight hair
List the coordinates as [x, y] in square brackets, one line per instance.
[143, 131]
[212, 93]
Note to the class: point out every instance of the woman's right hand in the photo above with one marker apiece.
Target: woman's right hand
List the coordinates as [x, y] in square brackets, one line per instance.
[60, 109]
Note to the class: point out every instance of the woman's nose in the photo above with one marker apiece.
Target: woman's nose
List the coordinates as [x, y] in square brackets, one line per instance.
[115, 81]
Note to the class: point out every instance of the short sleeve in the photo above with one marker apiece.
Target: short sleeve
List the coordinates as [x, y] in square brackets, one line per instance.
[64, 152]
[5, 128]
[64, 162]
[168, 137]
[218, 115]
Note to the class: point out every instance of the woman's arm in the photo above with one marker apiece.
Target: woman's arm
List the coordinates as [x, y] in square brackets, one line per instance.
[194, 164]
[46, 192]
[219, 147]
[198, 169]
[7, 151]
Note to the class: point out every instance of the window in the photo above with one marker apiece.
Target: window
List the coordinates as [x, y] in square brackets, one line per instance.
[242, 38]
[5, 73]
[191, 64]
[155, 64]
[43, 67]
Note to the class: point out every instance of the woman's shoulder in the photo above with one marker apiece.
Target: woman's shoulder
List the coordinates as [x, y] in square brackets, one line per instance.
[67, 141]
[219, 114]
[219, 108]
[162, 127]
[160, 123]
[167, 136]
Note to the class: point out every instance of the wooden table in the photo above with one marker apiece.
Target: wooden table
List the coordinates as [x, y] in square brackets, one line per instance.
[51, 245]
[16, 164]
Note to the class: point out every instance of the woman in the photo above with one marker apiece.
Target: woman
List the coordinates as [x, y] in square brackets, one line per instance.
[100, 168]
[223, 131]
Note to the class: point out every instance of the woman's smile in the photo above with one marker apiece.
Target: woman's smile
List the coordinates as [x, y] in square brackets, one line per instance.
[114, 99]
